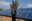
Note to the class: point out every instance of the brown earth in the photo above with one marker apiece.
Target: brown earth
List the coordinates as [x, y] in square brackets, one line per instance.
[4, 18]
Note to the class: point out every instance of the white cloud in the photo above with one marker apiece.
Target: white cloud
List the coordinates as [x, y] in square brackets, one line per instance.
[1, 0]
[4, 3]
[29, 5]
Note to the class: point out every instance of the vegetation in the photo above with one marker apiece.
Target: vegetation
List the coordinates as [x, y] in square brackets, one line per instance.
[14, 4]
[1, 9]
[13, 7]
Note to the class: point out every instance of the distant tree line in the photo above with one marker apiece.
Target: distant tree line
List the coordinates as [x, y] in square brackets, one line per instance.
[1, 9]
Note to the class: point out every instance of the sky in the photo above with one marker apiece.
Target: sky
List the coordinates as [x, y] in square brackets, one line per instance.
[5, 4]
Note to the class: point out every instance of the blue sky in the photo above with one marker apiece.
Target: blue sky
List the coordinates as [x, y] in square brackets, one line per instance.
[25, 3]
[22, 4]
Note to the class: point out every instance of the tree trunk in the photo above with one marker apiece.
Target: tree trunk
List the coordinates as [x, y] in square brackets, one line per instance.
[14, 15]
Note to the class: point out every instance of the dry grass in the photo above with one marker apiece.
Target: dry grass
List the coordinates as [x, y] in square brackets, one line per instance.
[4, 18]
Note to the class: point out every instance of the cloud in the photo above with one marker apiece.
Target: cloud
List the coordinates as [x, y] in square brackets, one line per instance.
[5, 4]
[29, 5]
[2, 0]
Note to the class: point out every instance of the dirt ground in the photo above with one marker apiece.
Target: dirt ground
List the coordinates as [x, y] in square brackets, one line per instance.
[4, 18]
